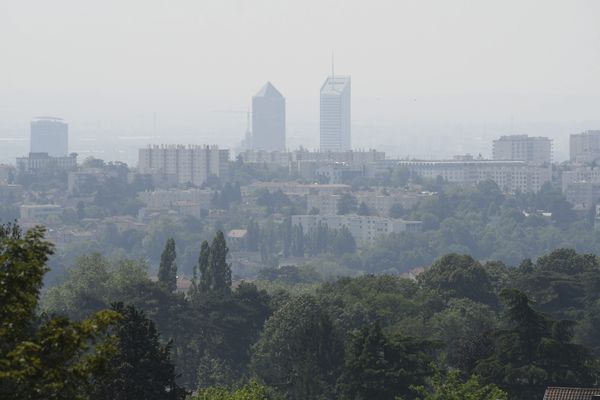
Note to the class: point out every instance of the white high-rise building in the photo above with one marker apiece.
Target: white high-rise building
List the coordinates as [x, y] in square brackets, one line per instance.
[268, 119]
[335, 114]
[49, 135]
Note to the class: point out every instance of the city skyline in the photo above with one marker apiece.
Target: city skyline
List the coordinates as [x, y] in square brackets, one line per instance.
[414, 81]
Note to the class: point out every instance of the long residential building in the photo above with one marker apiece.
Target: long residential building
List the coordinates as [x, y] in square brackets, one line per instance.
[186, 164]
[287, 158]
[43, 161]
[377, 203]
[363, 229]
[172, 198]
[510, 176]
[581, 187]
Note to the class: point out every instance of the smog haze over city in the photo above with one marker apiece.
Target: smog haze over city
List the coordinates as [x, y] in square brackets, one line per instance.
[300, 200]
[125, 73]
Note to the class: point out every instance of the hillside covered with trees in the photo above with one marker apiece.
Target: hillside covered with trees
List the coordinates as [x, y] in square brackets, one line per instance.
[461, 330]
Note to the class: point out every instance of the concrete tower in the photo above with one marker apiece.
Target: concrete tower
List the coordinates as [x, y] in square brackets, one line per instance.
[49, 135]
[335, 114]
[268, 119]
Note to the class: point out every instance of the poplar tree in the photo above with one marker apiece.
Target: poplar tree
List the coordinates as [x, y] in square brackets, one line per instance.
[203, 266]
[219, 271]
[167, 272]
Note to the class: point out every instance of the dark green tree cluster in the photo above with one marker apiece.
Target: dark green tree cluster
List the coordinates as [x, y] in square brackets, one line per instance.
[462, 329]
[322, 239]
[45, 357]
[273, 202]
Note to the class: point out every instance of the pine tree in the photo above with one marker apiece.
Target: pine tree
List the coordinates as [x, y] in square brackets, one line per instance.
[167, 272]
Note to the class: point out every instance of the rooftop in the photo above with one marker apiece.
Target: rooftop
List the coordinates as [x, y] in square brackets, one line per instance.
[568, 393]
[268, 91]
[335, 84]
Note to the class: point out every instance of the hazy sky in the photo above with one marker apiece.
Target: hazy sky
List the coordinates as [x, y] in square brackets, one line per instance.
[463, 70]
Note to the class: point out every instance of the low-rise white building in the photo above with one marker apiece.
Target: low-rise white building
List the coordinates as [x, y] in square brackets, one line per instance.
[377, 202]
[510, 176]
[40, 161]
[186, 202]
[39, 212]
[362, 228]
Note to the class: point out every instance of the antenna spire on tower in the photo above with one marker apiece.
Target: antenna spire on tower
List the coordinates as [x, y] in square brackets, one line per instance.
[332, 72]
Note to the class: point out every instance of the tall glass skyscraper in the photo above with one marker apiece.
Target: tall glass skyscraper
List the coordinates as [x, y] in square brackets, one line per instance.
[268, 119]
[49, 135]
[335, 114]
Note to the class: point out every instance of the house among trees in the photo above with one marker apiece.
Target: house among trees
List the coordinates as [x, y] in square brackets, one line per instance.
[571, 393]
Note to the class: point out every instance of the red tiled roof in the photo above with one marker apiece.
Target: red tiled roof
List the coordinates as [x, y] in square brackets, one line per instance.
[568, 393]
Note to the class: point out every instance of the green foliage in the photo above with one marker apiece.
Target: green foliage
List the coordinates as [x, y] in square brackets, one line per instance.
[450, 387]
[93, 283]
[167, 271]
[43, 357]
[22, 268]
[466, 329]
[141, 369]
[535, 352]
[459, 276]
[215, 272]
[346, 204]
[299, 351]
[251, 391]
[378, 367]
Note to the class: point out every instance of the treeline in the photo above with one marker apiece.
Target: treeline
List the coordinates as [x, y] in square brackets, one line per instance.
[289, 240]
[462, 329]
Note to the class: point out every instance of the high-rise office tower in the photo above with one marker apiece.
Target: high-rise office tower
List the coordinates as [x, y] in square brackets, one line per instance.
[335, 114]
[268, 119]
[49, 135]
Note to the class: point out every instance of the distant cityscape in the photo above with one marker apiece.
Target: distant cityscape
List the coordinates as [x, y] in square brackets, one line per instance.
[179, 173]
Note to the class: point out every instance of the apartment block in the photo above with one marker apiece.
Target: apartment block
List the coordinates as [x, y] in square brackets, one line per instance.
[186, 164]
[364, 229]
[585, 147]
[510, 176]
[523, 148]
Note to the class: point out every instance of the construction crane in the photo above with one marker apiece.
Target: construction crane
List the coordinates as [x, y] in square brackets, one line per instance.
[248, 113]
[247, 141]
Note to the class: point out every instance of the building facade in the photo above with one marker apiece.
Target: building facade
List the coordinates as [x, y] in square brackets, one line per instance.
[364, 229]
[40, 161]
[268, 119]
[584, 147]
[185, 164]
[335, 121]
[510, 176]
[523, 148]
[39, 212]
[49, 135]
